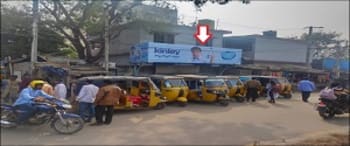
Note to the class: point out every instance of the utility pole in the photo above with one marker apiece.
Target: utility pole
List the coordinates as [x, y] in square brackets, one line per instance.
[34, 51]
[310, 43]
[106, 38]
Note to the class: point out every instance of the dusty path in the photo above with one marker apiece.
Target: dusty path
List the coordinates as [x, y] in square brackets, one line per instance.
[195, 124]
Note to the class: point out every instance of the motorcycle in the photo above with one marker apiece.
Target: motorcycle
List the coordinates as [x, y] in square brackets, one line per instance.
[328, 108]
[61, 121]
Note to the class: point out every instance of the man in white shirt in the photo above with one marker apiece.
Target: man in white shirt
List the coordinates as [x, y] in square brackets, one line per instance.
[86, 100]
[60, 90]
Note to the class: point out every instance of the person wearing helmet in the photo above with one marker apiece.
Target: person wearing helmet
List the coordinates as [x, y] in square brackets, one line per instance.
[27, 97]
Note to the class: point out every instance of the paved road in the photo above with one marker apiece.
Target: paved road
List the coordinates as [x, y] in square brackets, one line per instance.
[194, 124]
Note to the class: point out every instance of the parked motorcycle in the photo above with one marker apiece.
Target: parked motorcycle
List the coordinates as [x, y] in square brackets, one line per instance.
[59, 119]
[328, 108]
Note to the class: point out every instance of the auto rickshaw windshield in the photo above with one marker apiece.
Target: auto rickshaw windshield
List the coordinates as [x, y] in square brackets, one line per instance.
[174, 83]
[214, 82]
[153, 85]
[232, 82]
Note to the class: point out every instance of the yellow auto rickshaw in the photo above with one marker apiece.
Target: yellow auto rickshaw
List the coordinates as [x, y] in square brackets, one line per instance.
[236, 89]
[174, 88]
[138, 92]
[206, 89]
[286, 87]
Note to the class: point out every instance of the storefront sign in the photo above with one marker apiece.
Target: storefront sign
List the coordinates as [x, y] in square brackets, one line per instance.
[174, 53]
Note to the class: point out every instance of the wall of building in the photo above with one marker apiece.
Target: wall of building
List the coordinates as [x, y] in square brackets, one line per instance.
[279, 50]
[126, 39]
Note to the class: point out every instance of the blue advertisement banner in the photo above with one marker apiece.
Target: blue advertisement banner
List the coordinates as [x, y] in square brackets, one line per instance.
[175, 53]
[344, 65]
[329, 63]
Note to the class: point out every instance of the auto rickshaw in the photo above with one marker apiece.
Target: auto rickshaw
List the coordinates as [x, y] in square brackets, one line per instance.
[173, 88]
[236, 89]
[138, 92]
[207, 89]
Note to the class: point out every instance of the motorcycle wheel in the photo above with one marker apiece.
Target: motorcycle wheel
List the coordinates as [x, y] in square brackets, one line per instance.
[326, 113]
[9, 117]
[73, 125]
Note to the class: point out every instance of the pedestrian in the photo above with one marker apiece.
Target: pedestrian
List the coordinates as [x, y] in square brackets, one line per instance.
[107, 96]
[86, 100]
[272, 91]
[252, 87]
[11, 91]
[305, 86]
[60, 89]
[25, 80]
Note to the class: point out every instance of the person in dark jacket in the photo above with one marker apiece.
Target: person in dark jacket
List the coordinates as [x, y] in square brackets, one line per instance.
[107, 97]
[252, 87]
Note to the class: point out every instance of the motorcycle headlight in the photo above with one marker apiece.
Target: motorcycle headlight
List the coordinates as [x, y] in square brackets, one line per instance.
[67, 106]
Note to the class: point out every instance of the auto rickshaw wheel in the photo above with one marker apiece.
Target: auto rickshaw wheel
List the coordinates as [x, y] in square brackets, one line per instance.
[288, 96]
[223, 103]
[160, 106]
[240, 99]
[182, 104]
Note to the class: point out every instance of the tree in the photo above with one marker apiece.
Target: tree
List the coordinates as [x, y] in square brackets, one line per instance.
[200, 3]
[16, 34]
[327, 44]
[77, 20]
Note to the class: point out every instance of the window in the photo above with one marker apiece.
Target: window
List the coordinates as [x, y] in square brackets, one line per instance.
[162, 37]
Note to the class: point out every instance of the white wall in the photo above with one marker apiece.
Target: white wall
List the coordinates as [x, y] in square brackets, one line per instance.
[280, 50]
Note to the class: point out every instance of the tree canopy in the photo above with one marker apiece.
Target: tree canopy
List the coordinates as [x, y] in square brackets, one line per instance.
[327, 44]
[16, 34]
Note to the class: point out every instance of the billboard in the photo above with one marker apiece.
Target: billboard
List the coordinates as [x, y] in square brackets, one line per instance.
[331, 63]
[151, 52]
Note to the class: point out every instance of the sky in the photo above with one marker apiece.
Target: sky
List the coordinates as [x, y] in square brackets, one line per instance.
[288, 18]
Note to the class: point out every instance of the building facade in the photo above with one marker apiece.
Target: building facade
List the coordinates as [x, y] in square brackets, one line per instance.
[160, 30]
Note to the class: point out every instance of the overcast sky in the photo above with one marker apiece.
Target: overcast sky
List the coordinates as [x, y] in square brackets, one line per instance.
[287, 17]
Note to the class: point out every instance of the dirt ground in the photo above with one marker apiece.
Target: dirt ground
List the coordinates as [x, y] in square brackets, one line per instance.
[333, 139]
[288, 122]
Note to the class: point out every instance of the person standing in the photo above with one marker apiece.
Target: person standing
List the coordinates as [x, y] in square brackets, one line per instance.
[26, 79]
[252, 87]
[11, 91]
[107, 96]
[86, 100]
[305, 86]
[60, 89]
[272, 91]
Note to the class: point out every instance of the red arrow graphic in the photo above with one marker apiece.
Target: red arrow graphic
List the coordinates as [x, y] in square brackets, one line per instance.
[202, 35]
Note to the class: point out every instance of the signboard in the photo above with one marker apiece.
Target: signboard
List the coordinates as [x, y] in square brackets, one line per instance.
[330, 64]
[344, 65]
[175, 53]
